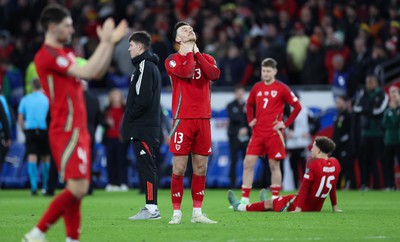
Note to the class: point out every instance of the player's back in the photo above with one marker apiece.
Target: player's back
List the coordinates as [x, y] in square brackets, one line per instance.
[65, 92]
[323, 175]
[191, 96]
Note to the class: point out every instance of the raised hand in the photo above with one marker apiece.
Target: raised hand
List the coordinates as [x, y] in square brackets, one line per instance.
[106, 30]
[195, 49]
[120, 31]
[186, 47]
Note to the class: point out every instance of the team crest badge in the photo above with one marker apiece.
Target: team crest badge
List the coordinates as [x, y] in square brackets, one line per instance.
[274, 93]
[177, 147]
[172, 63]
[61, 61]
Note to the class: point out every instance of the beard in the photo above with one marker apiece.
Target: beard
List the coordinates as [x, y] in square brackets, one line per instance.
[64, 40]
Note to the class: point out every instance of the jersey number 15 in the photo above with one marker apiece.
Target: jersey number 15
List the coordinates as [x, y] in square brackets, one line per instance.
[326, 184]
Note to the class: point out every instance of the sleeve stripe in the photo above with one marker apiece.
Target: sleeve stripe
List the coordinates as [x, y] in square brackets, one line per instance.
[139, 82]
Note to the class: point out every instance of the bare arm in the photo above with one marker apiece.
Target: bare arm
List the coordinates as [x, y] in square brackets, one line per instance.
[99, 62]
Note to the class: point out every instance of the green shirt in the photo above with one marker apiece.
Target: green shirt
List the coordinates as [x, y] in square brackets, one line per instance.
[391, 124]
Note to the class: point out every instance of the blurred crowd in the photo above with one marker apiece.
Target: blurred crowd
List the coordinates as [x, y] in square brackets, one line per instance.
[342, 41]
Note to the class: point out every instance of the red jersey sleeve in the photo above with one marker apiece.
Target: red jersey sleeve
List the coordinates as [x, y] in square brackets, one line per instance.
[293, 101]
[182, 69]
[250, 105]
[306, 184]
[208, 66]
[332, 194]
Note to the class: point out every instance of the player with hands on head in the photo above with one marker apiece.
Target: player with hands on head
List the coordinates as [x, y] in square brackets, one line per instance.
[191, 73]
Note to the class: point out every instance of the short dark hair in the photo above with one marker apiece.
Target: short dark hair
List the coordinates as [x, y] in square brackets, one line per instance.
[372, 76]
[36, 84]
[53, 13]
[141, 37]
[325, 144]
[269, 62]
[177, 26]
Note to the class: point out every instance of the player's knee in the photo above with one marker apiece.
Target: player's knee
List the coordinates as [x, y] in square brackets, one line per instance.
[274, 165]
[179, 169]
[78, 188]
[200, 169]
[248, 165]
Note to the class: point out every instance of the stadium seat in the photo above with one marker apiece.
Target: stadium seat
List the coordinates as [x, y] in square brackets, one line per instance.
[219, 166]
[14, 172]
[99, 166]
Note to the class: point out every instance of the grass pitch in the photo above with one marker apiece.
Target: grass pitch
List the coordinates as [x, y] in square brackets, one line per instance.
[367, 216]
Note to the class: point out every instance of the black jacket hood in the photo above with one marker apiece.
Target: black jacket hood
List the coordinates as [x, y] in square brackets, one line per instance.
[147, 55]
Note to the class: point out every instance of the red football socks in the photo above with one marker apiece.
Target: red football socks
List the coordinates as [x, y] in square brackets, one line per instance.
[72, 220]
[198, 188]
[275, 189]
[255, 207]
[246, 192]
[176, 191]
[56, 209]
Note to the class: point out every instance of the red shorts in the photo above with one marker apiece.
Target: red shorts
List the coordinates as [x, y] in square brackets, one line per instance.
[280, 202]
[273, 146]
[71, 152]
[191, 135]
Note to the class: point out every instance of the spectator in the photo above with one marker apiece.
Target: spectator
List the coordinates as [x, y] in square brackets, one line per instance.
[359, 62]
[116, 148]
[238, 130]
[391, 124]
[350, 23]
[342, 136]
[13, 84]
[314, 63]
[341, 84]
[232, 67]
[94, 118]
[378, 56]
[370, 105]
[335, 47]
[296, 53]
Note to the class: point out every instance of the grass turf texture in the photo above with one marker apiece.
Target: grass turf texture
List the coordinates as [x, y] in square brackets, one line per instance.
[369, 216]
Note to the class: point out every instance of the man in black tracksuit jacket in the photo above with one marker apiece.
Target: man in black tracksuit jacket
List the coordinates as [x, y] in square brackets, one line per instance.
[141, 123]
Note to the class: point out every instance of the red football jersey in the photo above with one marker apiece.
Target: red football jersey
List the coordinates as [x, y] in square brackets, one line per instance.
[266, 103]
[319, 181]
[67, 105]
[190, 79]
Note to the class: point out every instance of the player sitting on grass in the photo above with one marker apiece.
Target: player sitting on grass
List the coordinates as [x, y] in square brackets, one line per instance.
[319, 181]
